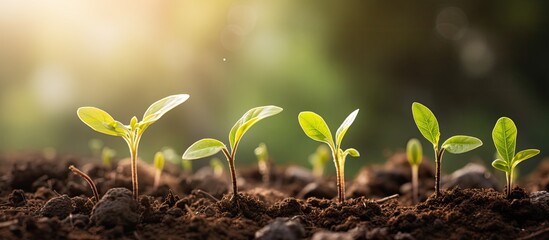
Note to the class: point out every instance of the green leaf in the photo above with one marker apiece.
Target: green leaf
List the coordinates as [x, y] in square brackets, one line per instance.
[500, 165]
[426, 122]
[524, 155]
[162, 106]
[505, 138]
[251, 117]
[351, 152]
[101, 121]
[461, 144]
[414, 152]
[344, 127]
[203, 148]
[316, 128]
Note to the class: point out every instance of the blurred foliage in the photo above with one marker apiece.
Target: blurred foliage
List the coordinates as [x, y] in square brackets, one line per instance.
[470, 61]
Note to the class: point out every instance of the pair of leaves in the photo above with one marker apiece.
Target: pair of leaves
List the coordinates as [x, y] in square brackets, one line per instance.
[102, 122]
[316, 128]
[209, 146]
[505, 140]
[428, 126]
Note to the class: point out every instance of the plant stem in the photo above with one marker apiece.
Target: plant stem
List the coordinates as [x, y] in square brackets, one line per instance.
[230, 159]
[438, 160]
[157, 175]
[509, 178]
[340, 178]
[135, 187]
[415, 185]
[88, 179]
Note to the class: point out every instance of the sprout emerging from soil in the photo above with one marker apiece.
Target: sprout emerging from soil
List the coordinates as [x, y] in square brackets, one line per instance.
[428, 126]
[505, 140]
[414, 153]
[318, 160]
[95, 146]
[207, 147]
[107, 154]
[316, 128]
[88, 180]
[158, 166]
[102, 122]
[262, 155]
[217, 167]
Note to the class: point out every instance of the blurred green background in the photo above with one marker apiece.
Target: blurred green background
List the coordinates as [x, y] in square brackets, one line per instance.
[469, 61]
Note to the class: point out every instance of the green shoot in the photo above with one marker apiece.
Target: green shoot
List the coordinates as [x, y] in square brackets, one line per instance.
[172, 156]
[207, 147]
[187, 167]
[216, 166]
[263, 162]
[414, 153]
[158, 166]
[316, 128]
[102, 122]
[505, 140]
[95, 146]
[318, 160]
[428, 126]
[107, 154]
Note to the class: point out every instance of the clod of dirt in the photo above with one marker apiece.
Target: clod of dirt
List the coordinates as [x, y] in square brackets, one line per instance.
[540, 198]
[326, 235]
[82, 205]
[472, 175]
[299, 174]
[208, 183]
[17, 198]
[77, 220]
[282, 228]
[314, 189]
[59, 207]
[116, 208]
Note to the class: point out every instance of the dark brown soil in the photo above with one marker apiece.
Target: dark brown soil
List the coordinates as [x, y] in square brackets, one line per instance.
[43, 200]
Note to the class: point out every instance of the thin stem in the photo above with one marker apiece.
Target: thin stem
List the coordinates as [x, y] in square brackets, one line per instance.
[438, 160]
[157, 175]
[339, 177]
[415, 184]
[230, 159]
[88, 179]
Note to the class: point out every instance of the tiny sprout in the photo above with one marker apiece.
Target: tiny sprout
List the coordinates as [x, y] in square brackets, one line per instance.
[158, 166]
[505, 140]
[95, 146]
[217, 167]
[263, 162]
[187, 167]
[102, 122]
[207, 147]
[107, 154]
[318, 160]
[316, 128]
[414, 154]
[87, 179]
[428, 127]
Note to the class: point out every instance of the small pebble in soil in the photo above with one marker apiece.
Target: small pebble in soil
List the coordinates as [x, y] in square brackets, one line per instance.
[326, 235]
[281, 228]
[17, 198]
[116, 208]
[60, 207]
[473, 175]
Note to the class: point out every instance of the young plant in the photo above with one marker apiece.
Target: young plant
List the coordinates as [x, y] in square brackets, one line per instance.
[158, 166]
[428, 126]
[318, 160]
[207, 147]
[95, 146]
[414, 153]
[216, 166]
[263, 162]
[107, 154]
[102, 122]
[316, 128]
[505, 140]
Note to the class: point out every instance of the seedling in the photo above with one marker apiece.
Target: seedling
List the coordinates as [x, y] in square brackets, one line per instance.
[216, 166]
[95, 146]
[87, 179]
[158, 166]
[102, 122]
[107, 154]
[414, 153]
[428, 126]
[318, 160]
[207, 147]
[505, 140]
[263, 162]
[316, 128]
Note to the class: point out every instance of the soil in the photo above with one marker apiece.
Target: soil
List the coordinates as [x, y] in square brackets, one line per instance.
[41, 199]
